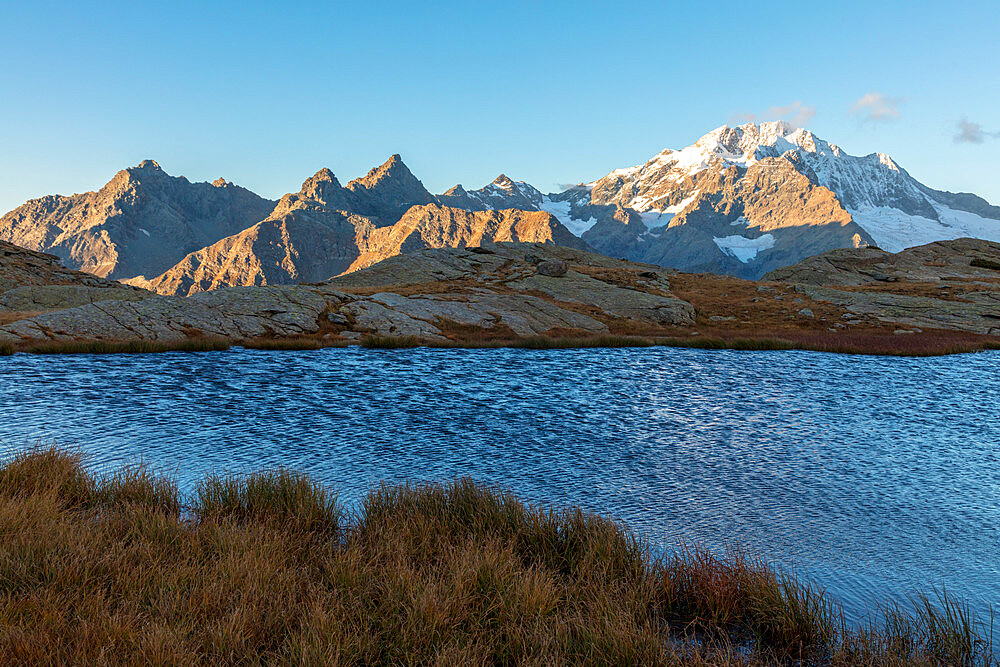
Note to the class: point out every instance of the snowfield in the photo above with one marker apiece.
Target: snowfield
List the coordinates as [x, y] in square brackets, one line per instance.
[893, 230]
[742, 248]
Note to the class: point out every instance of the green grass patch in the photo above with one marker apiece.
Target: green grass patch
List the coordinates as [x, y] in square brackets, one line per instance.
[696, 342]
[278, 498]
[709, 343]
[137, 486]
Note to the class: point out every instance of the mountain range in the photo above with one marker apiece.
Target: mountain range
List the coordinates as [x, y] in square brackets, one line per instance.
[741, 200]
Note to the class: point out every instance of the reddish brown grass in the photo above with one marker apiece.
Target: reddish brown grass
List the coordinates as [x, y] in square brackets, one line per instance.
[268, 569]
[8, 316]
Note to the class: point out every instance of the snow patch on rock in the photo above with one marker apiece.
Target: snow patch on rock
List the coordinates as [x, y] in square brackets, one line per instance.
[561, 211]
[742, 248]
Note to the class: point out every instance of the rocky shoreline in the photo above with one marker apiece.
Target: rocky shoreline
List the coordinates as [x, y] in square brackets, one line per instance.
[945, 294]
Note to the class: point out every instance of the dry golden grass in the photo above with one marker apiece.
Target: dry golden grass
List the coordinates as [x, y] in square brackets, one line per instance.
[929, 343]
[292, 343]
[726, 296]
[8, 316]
[121, 346]
[937, 290]
[267, 568]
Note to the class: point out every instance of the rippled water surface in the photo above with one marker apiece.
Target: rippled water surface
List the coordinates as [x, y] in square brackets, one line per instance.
[873, 476]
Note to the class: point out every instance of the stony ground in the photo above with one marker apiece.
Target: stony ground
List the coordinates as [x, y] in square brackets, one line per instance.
[34, 282]
[944, 285]
[508, 291]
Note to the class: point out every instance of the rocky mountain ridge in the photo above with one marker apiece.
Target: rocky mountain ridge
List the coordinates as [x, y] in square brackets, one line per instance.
[142, 221]
[316, 233]
[166, 234]
[741, 201]
[745, 200]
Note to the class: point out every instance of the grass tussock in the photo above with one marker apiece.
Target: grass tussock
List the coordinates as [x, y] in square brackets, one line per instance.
[558, 343]
[124, 347]
[378, 342]
[278, 498]
[292, 343]
[6, 349]
[267, 568]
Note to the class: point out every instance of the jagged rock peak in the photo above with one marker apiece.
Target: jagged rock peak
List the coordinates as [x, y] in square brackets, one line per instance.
[393, 168]
[147, 170]
[456, 191]
[316, 184]
[388, 191]
[220, 182]
[504, 181]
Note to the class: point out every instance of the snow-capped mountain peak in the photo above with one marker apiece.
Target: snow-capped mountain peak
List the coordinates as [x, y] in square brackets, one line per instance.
[893, 207]
[504, 182]
[502, 193]
[747, 199]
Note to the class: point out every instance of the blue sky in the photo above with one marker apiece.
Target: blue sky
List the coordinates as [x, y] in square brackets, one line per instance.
[265, 94]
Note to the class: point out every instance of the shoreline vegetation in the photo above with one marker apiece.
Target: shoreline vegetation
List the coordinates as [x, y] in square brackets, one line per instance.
[913, 345]
[120, 567]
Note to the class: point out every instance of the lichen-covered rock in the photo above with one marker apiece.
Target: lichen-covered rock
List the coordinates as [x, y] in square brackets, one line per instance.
[941, 260]
[34, 281]
[458, 294]
[555, 268]
[238, 312]
[979, 315]
[498, 291]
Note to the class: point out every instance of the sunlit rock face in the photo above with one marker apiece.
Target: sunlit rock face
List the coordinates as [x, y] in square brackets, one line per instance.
[741, 200]
[143, 221]
[327, 229]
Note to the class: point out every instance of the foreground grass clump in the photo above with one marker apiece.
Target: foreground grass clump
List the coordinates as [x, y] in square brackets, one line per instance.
[267, 568]
[278, 497]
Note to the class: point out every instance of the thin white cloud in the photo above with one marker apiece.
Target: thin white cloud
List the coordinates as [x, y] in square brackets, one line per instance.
[968, 132]
[876, 107]
[796, 113]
